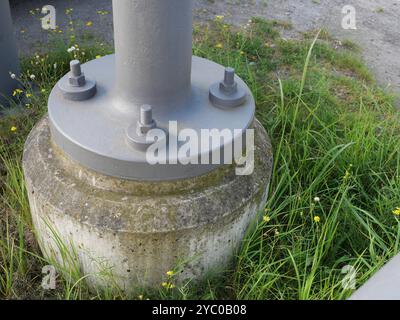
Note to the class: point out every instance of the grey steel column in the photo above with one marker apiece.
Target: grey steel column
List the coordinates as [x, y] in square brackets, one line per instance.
[154, 59]
[8, 52]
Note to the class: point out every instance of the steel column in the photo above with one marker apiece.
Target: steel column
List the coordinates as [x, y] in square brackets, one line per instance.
[8, 53]
[153, 45]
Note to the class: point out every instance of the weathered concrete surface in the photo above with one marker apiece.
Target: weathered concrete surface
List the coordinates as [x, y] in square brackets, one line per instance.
[377, 24]
[141, 230]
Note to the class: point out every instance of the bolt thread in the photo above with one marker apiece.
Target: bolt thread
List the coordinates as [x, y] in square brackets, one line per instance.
[229, 76]
[146, 115]
[76, 70]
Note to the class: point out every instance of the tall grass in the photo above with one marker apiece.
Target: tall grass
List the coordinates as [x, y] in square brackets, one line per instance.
[335, 185]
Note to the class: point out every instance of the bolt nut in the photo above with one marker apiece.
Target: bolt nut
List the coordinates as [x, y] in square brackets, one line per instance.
[77, 81]
[76, 77]
[137, 133]
[146, 121]
[75, 86]
[229, 85]
[227, 94]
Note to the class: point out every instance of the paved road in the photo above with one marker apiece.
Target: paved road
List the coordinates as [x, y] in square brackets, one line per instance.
[378, 23]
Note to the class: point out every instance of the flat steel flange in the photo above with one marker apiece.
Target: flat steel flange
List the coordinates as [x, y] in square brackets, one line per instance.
[93, 132]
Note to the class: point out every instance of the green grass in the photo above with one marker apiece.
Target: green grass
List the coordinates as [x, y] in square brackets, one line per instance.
[336, 180]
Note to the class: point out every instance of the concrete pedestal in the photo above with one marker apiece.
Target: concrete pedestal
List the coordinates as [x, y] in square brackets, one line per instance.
[141, 230]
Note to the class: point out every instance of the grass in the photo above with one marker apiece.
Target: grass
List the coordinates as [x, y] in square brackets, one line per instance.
[335, 186]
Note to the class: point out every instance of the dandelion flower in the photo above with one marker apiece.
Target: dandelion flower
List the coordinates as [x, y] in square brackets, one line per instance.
[219, 46]
[219, 18]
[89, 23]
[13, 129]
[170, 273]
[317, 219]
[396, 212]
[267, 219]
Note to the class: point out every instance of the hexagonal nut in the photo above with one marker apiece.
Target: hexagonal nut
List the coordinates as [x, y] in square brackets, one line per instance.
[144, 129]
[227, 88]
[77, 81]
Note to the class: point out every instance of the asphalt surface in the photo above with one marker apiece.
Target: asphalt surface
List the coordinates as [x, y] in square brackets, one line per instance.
[377, 33]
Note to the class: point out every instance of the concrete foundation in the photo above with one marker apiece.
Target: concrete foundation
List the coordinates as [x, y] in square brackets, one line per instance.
[141, 230]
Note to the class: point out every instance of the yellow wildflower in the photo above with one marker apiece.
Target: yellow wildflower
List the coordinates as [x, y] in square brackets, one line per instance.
[170, 273]
[317, 219]
[219, 45]
[219, 18]
[89, 23]
[397, 211]
[267, 219]
[16, 92]
[103, 12]
[14, 129]
[168, 285]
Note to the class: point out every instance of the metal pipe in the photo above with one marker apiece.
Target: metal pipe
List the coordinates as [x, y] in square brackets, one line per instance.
[153, 44]
[8, 53]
